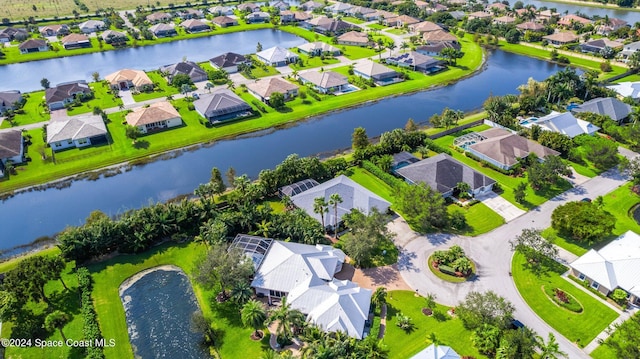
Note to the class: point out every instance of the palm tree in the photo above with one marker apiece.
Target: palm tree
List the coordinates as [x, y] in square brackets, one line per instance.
[320, 207]
[335, 200]
[430, 300]
[286, 318]
[241, 293]
[253, 315]
[57, 320]
[550, 349]
[379, 297]
[423, 151]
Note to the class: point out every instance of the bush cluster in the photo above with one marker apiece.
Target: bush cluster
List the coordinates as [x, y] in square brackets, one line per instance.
[384, 176]
[91, 328]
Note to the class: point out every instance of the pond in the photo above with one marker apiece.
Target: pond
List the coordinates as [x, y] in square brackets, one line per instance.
[33, 214]
[158, 304]
[629, 16]
[26, 76]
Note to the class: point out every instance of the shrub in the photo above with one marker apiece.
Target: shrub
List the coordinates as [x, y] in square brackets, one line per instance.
[385, 177]
[447, 270]
[91, 328]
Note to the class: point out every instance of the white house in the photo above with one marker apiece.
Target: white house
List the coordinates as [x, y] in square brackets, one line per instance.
[564, 123]
[158, 116]
[434, 351]
[90, 26]
[277, 56]
[627, 89]
[77, 131]
[616, 265]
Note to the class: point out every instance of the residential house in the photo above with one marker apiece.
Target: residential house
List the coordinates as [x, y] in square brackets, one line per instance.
[546, 15]
[479, 15]
[91, 26]
[66, 93]
[606, 106]
[443, 173]
[417, 61]
[9, 99]
[354, 38]
[54, 30]
[257, 16]
[337, 8]
[11, 33]
[224, 21]
[402, 21]
[277, 56]
[297, 187]
[325, 25]
[229, 62]
[158, 17]
[424, 26]
[318, 48]
[627, 89]
[114, 37]
[77, 131]
[503, 148]
[571, 19]
[325, 82]
[187, 14]
[597, 46]
[311, 5]
[359, 11]
[504, 20]
[498, 7]
[33, 45]
[287, 16]
[530, 26]
[263, 89]
[614, 266]
[421, 4]
[629, 49]
[157, 116]
[435, 351]
[380, 74]
[458, 15]
[11, 147]
[163, 30]
[561, 38]
[248, 7]
[129, 79]
[304, 274]
[435, 48]
[195, 25]
[564, 123]
[437, 8]
[301, 16]
[353, 195]
[75, 41]
[221, 10]
[438, 36]
[221, 105]
[611, 26]
[195, 72]
[280, 5]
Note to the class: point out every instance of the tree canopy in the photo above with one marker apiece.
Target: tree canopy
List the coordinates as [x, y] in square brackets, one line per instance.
[485, 308]
[583, 221]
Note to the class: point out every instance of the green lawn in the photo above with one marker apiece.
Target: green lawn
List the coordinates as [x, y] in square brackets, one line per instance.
[377, 26]
[353, 20]
[579, 328]
[507, 183]
[34, 110]
[604, 351]
[262, 70]
[311, 62]
[397, 31]
[380, 257]
[101, 98]
[630, 78]
[480, 218]
[38, 171]
[619, 202]
[161, 88]
[372, 183]
[449, 331]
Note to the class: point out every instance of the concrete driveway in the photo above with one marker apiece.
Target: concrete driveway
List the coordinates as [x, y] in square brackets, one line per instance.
[501, 206]
[492, 255]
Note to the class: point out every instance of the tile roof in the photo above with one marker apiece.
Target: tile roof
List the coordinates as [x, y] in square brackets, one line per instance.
[354, 36]
[71, 38]
[563, 37]
[75, 128]
[137, 77]
[222, 20]
[506, 147]
[439, 36]
[159, 111]
[530, 25]
[266, 87]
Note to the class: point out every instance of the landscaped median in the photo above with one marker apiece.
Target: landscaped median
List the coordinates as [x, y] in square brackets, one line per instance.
[38, 171]
[580, 328]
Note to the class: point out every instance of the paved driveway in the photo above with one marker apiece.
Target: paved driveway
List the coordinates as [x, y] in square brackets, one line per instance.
[501, 206]
[492, 255]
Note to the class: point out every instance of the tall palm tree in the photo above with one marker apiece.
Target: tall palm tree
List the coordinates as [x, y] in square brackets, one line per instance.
[241, 293]
[253, 315]
[320, 207]
[286, 318]
[379, 297]
[334, 200]
[550, 349]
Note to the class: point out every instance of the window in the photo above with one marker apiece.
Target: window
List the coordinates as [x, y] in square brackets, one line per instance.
[277, 294]
[595, 285]
[582, 276]
[83, 141]
[69, 142]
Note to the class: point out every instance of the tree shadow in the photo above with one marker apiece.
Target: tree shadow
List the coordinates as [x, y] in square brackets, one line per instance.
[66, 300]
[228, 310]
[284, 109]
[139, 145]
[77, 353]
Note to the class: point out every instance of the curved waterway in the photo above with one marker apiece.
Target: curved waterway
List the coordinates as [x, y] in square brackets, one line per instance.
[26, 76]
[159, 304]
[29, 215]
[629, 16]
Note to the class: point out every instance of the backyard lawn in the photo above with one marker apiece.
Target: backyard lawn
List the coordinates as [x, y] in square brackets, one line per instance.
[580, 328]
[161, 88]
[101, 98]
[448, 331]
[372, 183]
[34, 110]
[377, 26]
[311, 62]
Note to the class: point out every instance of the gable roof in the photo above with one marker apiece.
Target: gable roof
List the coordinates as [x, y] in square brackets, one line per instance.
[71, 38]
[439, 36]
[602, 43]
[32, 44]
[276, 54]
[437, 352]
[222, 20]
[354, 36]
[10, 143]
[90, 24]
[7, 98]
[443, 173]
[266, 87]
[506, 147]
[318, 45]
[353, 196]
[159, 111]
[564, 123]
[627, 89]
[137, 77]
[371, 68]
[562, 37]
[608, 106]
[185, 67]
[64, 91]
[228, 59]
[75, 128]
[326, 79]
[615, 265]
[219, 102]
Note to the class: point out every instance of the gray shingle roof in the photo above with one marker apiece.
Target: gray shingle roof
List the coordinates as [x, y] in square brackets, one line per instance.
[228, 59]
[7, 98]
[443, 173]
[10, 143]
[220, 102]
[75, 128]
[185, 67]
[64, 91]
[506, 147]
[608, 106]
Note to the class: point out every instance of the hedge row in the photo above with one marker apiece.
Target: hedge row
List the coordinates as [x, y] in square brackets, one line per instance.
[384, 176]
[446, 269]
[433, 146]
[91, 328]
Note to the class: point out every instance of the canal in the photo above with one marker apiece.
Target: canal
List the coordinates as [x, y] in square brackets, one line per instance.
[629, 16]
[29, 215]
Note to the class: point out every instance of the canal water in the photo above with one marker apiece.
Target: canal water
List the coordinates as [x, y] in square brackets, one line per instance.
[26, 76]
[29, 215]
[629, 16]
[158, 309]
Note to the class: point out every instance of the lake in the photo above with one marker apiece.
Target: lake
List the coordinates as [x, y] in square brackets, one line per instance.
[26, 76]
[158, 308]
[29, 215]
[629, 16]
